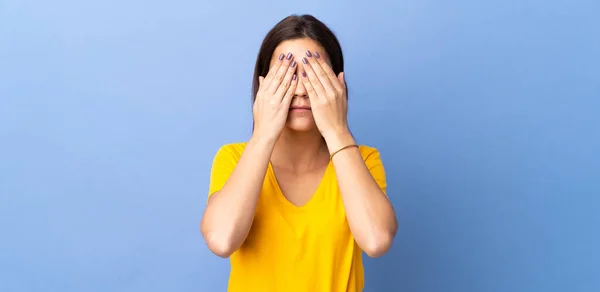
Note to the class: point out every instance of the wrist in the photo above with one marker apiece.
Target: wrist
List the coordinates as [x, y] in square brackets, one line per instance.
[263, 141]
[337, 140]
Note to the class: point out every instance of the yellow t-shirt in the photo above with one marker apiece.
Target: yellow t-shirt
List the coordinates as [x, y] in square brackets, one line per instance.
[291, 248]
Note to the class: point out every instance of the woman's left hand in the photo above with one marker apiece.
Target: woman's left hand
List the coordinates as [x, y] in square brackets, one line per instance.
[327, 94]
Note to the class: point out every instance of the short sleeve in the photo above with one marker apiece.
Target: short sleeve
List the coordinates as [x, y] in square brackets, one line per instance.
[223, 165]
[373, 161]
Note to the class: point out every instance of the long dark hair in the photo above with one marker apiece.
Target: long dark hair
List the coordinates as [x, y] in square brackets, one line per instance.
[297, 27]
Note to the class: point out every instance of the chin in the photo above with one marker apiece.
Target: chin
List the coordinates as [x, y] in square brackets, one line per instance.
[301, 124]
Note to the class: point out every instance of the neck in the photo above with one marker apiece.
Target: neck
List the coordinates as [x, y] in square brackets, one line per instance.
[300, 151]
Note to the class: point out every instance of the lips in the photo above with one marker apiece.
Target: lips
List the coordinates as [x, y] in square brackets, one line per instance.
[300, 107]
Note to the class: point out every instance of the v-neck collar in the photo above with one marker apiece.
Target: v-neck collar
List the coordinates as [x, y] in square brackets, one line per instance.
[289, 205]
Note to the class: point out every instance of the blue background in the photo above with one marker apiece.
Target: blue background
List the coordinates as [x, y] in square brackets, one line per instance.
[487, 115]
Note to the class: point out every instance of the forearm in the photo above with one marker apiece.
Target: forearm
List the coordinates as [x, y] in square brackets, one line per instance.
[230, 212]
[369, 212]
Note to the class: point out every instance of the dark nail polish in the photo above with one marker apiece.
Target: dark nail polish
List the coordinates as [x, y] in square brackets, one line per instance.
[308, 54]
[304, 61]
[289, 56]
[281, 57]
[294, 77]
[317, 55]
[303, 74]
[293, 64]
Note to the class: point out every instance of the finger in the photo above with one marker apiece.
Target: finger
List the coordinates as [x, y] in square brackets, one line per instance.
[281, 73]
[328, 71]
[320, 73]
[310, 90]
[289, 94]
[273, 70]
[312, 77]
[342, 79]
[287, 80]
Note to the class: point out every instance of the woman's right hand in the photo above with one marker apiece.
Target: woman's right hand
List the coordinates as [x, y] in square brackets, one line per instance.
[273, 98]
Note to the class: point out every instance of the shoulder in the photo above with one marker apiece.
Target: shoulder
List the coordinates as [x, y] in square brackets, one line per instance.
[237, 147]
[231, 151]
[369, 152]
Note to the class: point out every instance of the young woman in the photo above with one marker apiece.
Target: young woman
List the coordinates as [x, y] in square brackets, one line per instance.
[296, 205]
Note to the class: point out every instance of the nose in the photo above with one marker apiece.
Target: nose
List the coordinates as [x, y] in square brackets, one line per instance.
[300, 90]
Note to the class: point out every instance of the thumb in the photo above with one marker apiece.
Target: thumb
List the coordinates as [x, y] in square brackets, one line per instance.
[342, 79]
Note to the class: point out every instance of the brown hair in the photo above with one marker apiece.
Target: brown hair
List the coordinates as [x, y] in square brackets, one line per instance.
[297, 27]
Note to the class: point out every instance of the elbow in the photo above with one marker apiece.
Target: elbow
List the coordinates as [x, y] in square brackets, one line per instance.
[221, 246]
[379, 245]
[222, 250]
[218, 242]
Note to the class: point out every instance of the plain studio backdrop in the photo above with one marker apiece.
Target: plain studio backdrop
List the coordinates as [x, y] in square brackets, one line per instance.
[486, 113]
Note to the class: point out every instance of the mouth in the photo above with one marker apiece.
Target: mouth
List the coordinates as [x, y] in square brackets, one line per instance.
[300, 108]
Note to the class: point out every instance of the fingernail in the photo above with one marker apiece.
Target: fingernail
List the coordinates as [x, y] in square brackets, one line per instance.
[304, 61]
[294, 77]
[289, 56]
[317, 55]
[293, 64]
[281, 57]
[303, 74]
[308, 54]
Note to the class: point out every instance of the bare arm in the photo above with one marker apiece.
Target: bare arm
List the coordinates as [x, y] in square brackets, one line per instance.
[369, 212]
[230, 212]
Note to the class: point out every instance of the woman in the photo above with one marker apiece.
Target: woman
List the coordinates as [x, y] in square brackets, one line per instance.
[296, 205]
